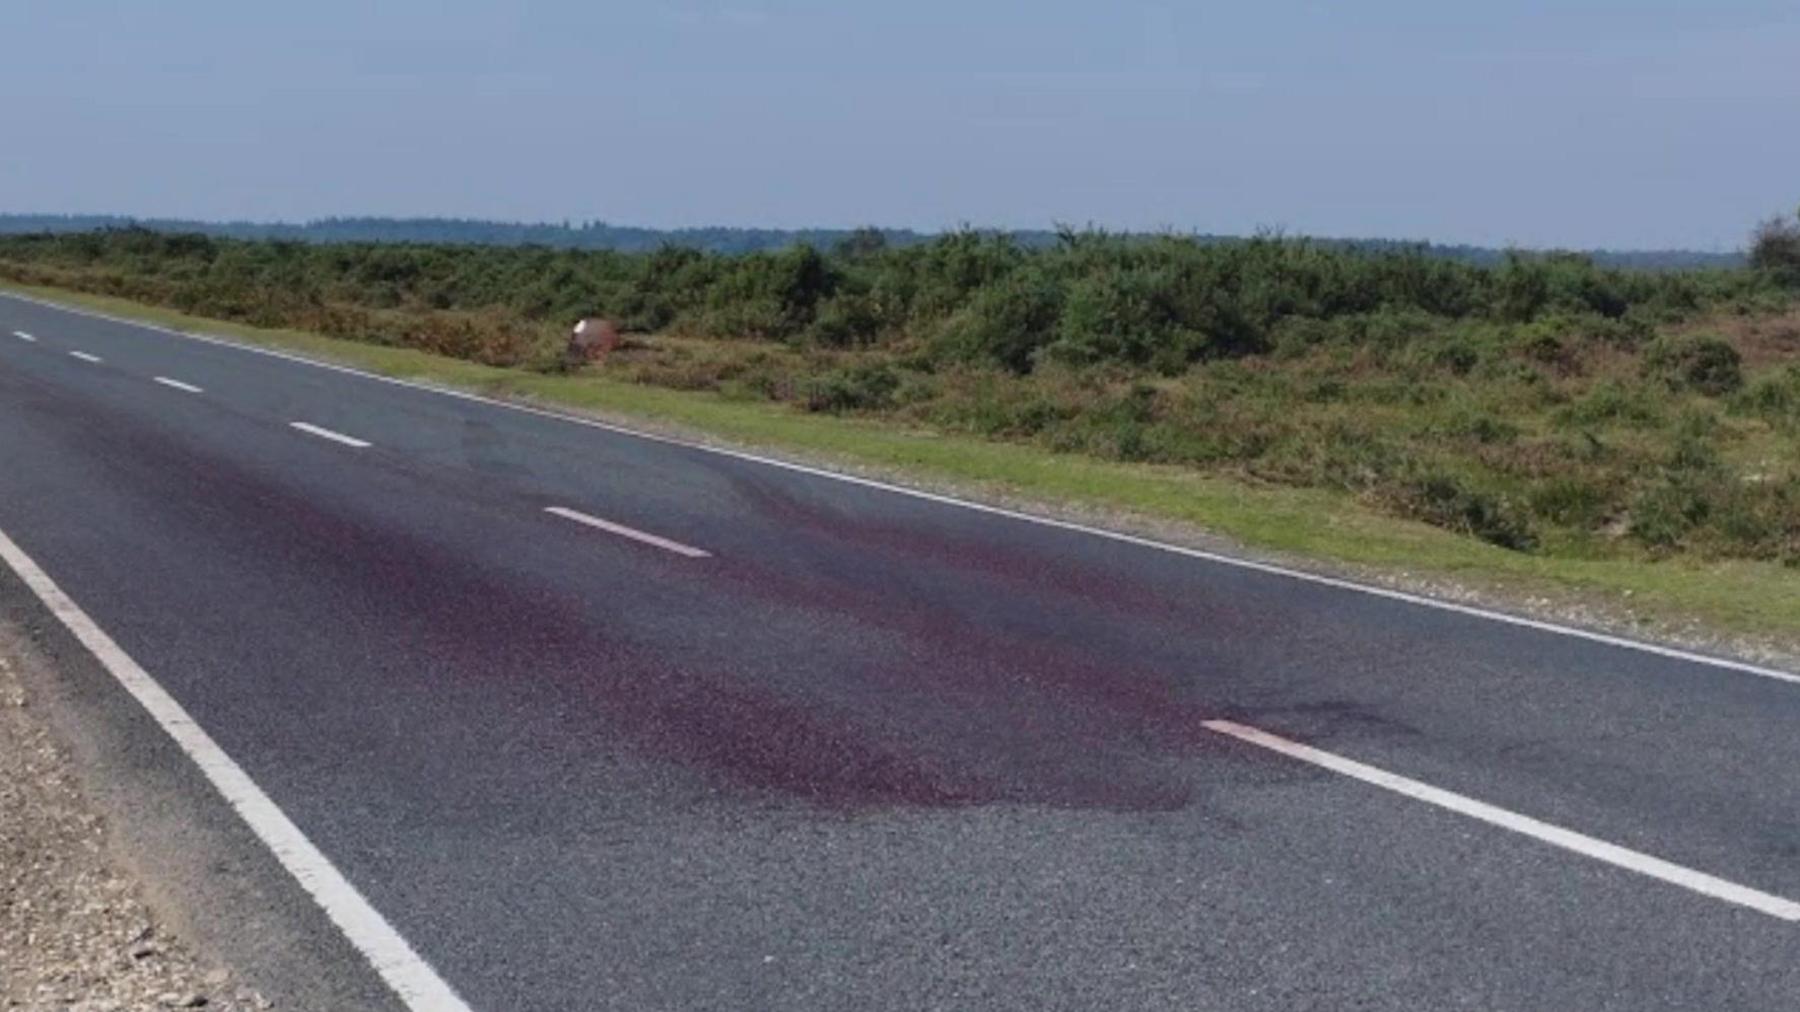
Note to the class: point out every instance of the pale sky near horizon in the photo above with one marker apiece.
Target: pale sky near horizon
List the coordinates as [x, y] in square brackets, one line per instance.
[1585, 123]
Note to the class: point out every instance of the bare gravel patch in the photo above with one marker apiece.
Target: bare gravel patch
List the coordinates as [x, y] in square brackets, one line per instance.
[75, 930]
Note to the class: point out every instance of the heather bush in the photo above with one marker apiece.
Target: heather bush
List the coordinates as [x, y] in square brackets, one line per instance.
[1701, 362]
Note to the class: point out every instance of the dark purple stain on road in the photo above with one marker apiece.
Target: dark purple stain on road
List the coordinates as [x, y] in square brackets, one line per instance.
[854, 693]
[935, 712]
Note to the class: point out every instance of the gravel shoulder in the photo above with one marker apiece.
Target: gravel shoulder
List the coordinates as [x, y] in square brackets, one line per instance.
[77, 930]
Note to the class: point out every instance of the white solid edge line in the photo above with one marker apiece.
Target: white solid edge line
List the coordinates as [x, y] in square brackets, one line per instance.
[84, 356]
[1580, 843]
[405, 971]
[21, 335]
[324, 433]
[1607, 639]
[629, 532]
[177, 384]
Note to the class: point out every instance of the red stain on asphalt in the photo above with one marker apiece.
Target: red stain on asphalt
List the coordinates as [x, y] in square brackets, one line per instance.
[966, 716]
[939, 710]
[1047, 722]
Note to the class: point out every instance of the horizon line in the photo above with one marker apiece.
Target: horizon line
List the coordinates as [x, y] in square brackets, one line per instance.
[573, 224]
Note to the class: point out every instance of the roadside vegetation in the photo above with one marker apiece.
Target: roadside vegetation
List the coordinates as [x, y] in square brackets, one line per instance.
[1546, 405]
[600, 235]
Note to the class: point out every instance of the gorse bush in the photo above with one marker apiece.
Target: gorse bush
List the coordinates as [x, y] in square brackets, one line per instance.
[1004, 323]
[1448, 500]
[1775, 248]
[1702, 362]
[1540, 404]
[1774, 398]
[765, 295]
[868, 387]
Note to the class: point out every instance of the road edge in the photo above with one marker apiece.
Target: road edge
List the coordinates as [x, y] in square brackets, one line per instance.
[187, 772]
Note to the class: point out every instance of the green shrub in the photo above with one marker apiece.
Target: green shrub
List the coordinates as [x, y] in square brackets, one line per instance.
[1448, 500]
[1571, 501]
[1294, 336]
[1612, 401]
[847, 320]
[1774, 398]
[1142, 317]
[1700, 362]
[1748, 520]
[1664, 515]
[1775, 249]
[1521, 288]
[760, 295]
[1543, 345]
[1459, 355]
[1692, 453]
[1480, 426]
[1632, 330]
[1005, 323]
[863, 388]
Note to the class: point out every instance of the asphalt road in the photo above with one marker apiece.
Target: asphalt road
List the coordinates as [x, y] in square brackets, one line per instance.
[766, 739]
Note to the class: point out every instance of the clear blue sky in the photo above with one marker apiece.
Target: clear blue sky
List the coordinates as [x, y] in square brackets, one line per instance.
[1627, 123]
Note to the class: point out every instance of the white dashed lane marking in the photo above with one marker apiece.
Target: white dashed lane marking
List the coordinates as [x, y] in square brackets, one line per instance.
[628, 532]
[324, 433]
[1567, 839]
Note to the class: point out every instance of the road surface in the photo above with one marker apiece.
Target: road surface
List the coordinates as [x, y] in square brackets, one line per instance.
[585, 719]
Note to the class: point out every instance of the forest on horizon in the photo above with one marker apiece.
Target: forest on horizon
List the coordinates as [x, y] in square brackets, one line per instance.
[598, 235]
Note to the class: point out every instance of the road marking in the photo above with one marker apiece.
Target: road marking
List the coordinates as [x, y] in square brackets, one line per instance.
[324, 433]
[21, 335]
[84, 356]
[177, 384]
[411, 978]
[1319, 579]
[1580, 843]
[629, 532]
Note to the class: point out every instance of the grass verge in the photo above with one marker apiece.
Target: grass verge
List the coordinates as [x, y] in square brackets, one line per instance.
[1739, 606]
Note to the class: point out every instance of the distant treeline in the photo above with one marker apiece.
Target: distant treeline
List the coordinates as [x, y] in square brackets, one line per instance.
[596, 235]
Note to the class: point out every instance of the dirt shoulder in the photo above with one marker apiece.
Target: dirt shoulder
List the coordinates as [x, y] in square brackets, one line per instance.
[76, 928]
